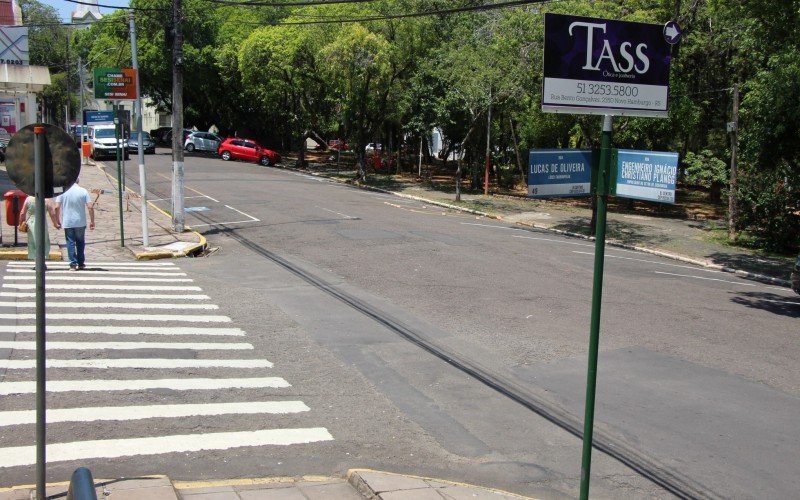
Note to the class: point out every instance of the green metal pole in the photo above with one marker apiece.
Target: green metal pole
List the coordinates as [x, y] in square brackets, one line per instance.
[41, 321]
[119, 178]
[597, 296]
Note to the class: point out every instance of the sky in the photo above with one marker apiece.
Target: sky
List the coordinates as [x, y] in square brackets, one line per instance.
[65, 8]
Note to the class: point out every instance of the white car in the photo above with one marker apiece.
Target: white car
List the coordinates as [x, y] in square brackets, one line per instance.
[372, 147]
[104, 142]
[202, 141]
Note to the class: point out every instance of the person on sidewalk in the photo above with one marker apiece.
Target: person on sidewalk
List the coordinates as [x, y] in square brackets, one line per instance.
[29, 215]
[71, 208]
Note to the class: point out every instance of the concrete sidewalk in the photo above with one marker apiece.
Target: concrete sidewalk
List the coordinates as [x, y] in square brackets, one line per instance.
[357, 485]
[110, 240]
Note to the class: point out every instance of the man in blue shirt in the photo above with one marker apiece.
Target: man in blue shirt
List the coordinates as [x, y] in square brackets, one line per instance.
[72, 214]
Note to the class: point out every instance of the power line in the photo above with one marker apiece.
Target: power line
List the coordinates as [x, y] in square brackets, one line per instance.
[386, 17]
[308, 3]
[142, 9]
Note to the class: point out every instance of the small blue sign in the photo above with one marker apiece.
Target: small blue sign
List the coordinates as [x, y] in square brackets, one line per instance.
[99, 117]
[559, 172]
[646, 175]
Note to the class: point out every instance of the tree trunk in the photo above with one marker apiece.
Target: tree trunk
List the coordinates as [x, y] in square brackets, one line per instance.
[516, 150]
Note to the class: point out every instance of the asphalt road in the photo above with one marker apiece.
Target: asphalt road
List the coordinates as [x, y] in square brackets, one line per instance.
[441, 344]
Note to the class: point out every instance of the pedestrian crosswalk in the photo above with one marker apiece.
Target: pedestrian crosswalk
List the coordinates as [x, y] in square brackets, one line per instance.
[137, 343]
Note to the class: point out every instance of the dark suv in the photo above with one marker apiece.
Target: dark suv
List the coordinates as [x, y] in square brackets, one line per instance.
[796, 275]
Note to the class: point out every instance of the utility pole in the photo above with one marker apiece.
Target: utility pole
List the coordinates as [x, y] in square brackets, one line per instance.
[177, 118]
[488, 151]
[733, 128]
[140, 135]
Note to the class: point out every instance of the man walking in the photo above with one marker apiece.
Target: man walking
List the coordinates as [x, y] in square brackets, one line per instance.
[70, 211]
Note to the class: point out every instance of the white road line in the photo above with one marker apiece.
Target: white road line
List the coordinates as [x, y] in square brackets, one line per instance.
[23, 263]
[176, 384]
[121, 413]
[89, 295]
[154, 363]
[126, 330]
[708, 279]
[349, 217]
[554, 241]
[79, 277]
[123, 346]
[222, 223]
[693, 268]
[115, 448]
[89, 268]
[76, 286]
[106, 305]
[122, 317]
[246, 215]
[51, 273]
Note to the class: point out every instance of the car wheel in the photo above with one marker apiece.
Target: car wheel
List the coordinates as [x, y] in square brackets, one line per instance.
[226, 155]
[190, 147]
[265, 161]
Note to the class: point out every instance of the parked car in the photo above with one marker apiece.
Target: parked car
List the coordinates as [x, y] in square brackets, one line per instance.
[372, 147]
[247, 150]
[338, 145]
[148, 144]
[796, 275]
[159, 135]
[103, 142]
[202, 141]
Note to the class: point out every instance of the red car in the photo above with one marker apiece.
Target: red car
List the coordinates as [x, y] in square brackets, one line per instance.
[248, 150]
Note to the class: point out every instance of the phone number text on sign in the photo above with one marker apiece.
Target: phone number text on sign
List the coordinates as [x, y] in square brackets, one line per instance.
[590, 94]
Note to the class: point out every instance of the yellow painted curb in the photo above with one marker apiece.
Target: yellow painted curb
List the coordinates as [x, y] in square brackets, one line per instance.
[185, 485]
[21, 253]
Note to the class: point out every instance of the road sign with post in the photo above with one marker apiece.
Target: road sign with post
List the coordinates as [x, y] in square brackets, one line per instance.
[605, 67]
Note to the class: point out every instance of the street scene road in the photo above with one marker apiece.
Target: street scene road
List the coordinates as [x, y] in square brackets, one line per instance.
[432, 342]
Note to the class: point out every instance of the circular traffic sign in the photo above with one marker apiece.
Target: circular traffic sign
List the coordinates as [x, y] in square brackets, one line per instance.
[62, 162]
[672, 32]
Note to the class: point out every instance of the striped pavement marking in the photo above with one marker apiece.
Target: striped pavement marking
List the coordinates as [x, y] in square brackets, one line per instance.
[115, 448]
[156, 363]
[177, 384]
[79, 277]
[127, 330]
[23, 263]
[78, 286]
[91, 295]
[105, 305]
[23, 345]
[121, 413]
[51, 273]
[122, 317]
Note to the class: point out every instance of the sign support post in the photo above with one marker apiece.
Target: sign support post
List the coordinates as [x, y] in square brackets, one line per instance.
[41, 373]
[119, 178]
[597, 296]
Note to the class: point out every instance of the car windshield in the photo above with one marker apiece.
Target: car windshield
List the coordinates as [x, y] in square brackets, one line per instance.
[145, 136]
[104, 133]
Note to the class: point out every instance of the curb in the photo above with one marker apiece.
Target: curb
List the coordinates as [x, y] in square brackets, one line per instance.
[660, 253]
[162, 254]
[353, 477]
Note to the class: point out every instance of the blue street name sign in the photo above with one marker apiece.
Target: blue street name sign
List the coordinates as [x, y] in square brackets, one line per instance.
[644, 175]
[559, 172]
[99, 117]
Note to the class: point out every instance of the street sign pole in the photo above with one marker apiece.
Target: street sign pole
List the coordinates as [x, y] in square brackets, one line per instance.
[40, 214]
[597, 295]
[119, 177]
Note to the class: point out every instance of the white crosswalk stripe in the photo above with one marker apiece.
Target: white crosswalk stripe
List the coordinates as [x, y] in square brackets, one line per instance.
[204, 379]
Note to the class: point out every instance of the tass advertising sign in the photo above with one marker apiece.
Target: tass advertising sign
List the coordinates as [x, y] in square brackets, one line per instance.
[559, 172]
[600, 66]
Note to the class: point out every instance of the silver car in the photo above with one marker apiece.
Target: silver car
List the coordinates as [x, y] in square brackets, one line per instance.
[202, 141]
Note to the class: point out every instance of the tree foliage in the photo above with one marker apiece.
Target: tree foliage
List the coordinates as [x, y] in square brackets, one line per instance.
[284, 73]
